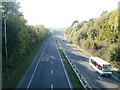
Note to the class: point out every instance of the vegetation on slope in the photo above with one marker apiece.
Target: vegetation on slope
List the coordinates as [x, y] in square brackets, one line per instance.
[99, 36]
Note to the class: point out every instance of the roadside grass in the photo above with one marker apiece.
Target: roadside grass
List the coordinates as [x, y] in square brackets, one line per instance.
[16, 74]
[73, 78]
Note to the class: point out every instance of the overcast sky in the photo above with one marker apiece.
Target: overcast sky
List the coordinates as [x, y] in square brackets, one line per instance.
[62, 13]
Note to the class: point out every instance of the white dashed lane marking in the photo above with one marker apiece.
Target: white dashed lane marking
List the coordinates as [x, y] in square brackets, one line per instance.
[51, 71]
[51, 86]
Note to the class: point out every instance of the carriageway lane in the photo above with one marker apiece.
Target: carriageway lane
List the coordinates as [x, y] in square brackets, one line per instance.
[48, 71]
[81, 61]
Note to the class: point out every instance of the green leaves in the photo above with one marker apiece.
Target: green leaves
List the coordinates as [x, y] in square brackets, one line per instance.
[114, 53]
[21, 38]
[99, 36]
[10, 9]
[92, 33]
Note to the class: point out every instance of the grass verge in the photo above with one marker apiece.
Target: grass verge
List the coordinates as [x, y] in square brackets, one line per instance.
[16, 74]
[73, 78]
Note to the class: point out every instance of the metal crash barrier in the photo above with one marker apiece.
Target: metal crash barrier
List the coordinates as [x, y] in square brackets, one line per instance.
[77, 72]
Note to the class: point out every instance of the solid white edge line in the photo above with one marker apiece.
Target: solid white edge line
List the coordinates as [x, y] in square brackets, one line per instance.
[24, 75]
[51, 86]
[36, 67]
[112, 75]
[64, 69]
[70, 59]
[100, 78]
[30, 66]
[51, 71]
[116, 78]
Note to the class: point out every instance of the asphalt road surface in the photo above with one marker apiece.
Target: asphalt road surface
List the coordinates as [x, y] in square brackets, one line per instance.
[47, 70]
[81, 61]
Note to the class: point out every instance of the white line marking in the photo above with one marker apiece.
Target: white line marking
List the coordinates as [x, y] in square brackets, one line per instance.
[64, 69]
[36, 67]
[100, 78]
[51, 86]
[30, 65]
[51, 71]
[116, 78]
[71, 60]
[51, 62]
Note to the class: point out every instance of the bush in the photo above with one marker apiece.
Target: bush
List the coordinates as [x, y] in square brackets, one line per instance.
[114, 53]
[94, 45]
[87, 44]
[90, 44]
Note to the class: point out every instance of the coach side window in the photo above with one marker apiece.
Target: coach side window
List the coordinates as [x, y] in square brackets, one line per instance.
[99, 67]
[93, 62]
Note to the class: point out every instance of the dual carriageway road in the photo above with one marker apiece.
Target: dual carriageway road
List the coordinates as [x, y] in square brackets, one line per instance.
[48, 71]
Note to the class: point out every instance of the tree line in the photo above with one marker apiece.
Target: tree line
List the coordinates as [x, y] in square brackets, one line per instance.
[21, 37]
[99, 36]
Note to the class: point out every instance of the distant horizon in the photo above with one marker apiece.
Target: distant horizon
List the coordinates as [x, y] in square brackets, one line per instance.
[62, 13]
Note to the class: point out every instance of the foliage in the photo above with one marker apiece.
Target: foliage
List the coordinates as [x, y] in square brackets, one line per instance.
[114, 53]
[10, 9]
[98, 35]
[21, 37]
[74, 22]
[92, 33]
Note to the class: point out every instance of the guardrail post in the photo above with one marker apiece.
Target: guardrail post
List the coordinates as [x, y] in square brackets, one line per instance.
[75, 69]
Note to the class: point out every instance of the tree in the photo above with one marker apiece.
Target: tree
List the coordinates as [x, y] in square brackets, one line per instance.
[92, 33]
[21, 37]
[10, 9]
[98, 35]
[74, 22]
[114, 53]
[104, 12]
